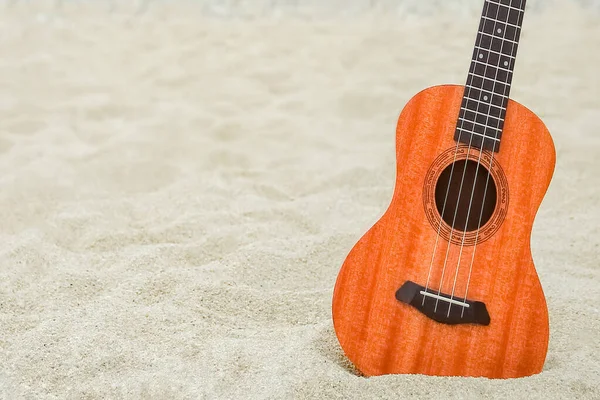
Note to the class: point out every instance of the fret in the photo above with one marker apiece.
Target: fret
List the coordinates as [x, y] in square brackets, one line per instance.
[501, 22]
[501, 12]
[479, 125]
[499, 29]
[478, 134]
[486, 97]
[485, 108]
[487, 35]
[508, 33]
[494, 59]
[485, 80]
[492, 71]
[500, 68]
[494, 123]
[489, 84]
[475, 140]
[483, 98]
[507, 5]
[472, 128]
[500, 78]
[494, 52]
[496, 44]
[481, 115]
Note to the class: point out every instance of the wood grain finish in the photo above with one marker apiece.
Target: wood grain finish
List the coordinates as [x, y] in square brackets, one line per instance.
[379, 334]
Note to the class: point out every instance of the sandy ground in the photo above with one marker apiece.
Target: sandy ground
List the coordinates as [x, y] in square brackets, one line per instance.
[178, 193]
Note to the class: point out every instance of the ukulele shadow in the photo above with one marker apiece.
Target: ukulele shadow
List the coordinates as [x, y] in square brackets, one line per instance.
[328, 346]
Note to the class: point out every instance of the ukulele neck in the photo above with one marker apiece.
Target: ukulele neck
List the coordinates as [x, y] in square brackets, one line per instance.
[485, 99]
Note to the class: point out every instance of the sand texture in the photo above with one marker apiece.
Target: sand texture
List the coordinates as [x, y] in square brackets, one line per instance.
[178, 192]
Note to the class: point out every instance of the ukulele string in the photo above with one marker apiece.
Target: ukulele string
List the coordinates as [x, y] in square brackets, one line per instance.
[448, 188]
[512, 50]
[437, 239]
[466, 159]
[462, 244]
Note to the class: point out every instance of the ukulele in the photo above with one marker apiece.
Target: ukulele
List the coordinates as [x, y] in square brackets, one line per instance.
[444, 283]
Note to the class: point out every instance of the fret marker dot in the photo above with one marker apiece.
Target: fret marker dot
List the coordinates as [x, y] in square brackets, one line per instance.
[481, 55]
[499, 30]
[485, 98]
[506, 63]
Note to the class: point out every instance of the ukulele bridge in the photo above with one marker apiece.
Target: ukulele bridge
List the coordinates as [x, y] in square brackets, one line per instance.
[443, 308]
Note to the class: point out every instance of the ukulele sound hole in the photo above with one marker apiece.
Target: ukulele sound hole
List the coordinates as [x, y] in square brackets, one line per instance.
[457, 209]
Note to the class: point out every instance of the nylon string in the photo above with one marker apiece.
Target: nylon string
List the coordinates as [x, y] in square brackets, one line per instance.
[488, 177]
[487, 4]
[465, 167]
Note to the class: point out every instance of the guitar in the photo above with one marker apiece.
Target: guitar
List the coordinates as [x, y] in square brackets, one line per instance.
[444, 283]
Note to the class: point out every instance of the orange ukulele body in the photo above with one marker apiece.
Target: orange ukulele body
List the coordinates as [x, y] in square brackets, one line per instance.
[382, 335]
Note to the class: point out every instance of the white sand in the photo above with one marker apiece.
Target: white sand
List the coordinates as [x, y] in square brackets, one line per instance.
[177, 194]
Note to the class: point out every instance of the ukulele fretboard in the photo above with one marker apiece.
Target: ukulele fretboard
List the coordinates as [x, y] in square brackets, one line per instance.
[483, 109]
